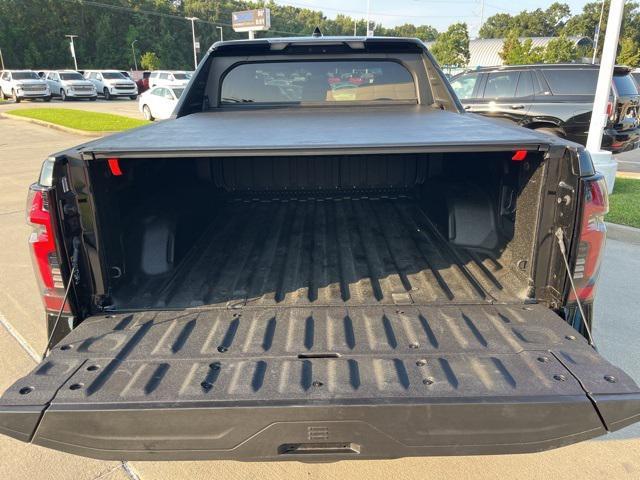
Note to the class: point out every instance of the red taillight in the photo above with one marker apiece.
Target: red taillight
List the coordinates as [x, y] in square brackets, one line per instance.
[43, 249]
[609, 109]
[519, 155]
[114, 166]
[591, 241]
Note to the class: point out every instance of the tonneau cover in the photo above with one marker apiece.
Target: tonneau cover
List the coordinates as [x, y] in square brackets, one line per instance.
[264, 131]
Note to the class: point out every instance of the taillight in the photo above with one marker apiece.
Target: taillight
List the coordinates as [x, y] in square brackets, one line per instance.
[46, 264]
[609, 109]
[591, 240]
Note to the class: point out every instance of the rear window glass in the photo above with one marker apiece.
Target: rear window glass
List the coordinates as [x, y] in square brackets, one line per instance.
[113, 75]
[25, 76]
[71, 76]
[572, 82]
[501, 85]
[464, 85]
[180, 76]
[322, 81]
[625, 85]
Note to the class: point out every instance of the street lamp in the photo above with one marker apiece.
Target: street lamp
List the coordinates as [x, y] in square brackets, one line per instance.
[602, 159]
[193, 33]
[73, 50]
[221, 36]
[1, 59]
[133, 51]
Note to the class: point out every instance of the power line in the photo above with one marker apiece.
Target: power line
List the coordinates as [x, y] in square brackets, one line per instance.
[377, 14]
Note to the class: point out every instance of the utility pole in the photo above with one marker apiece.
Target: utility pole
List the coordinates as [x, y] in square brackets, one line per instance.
[596, 35]
[73, 49]
[603, 160]
[193, 33]
[133, 51]
[221, 35]
[481, 16]
[1, 59]
[369, 31]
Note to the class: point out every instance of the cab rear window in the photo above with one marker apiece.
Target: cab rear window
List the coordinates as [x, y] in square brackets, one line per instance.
[625, 85]
[318, 82]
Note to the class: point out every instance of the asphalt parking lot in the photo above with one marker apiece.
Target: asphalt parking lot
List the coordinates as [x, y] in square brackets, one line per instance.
[23, 146]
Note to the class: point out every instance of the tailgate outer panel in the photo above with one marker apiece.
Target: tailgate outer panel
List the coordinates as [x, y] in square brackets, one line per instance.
[320, 383]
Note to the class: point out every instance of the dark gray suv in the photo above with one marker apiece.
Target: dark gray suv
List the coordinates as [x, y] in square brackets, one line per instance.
[556, 99]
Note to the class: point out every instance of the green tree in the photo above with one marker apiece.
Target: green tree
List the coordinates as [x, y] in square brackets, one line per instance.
[585, 23]
[451, 48]
[629, 53]
[535, 23]
[560, 50]
[149, 61]
[515, 52]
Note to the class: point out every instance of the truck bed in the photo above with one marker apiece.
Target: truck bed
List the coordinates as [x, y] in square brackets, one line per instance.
[342, 250]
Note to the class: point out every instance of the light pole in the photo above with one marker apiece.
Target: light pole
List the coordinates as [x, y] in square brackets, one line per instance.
[73, 50]
[596, 35]
[193, 33]
[1, 59]
[603, 160]
[133, 51]
[221, 35]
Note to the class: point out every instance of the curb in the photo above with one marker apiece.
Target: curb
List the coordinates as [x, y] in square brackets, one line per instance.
[635, 175]
[42, 123]
[623, 233]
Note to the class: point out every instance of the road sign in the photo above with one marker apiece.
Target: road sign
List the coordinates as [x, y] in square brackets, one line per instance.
[251, 20]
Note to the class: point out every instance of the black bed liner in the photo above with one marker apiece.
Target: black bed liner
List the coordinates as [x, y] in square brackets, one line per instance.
[343, 130]
[319, 384]
[328, 250]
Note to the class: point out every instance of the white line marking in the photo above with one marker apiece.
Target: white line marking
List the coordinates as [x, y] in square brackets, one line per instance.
[131, 473]
[20, 339]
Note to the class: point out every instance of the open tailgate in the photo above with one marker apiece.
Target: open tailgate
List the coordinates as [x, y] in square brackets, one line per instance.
[319, 384]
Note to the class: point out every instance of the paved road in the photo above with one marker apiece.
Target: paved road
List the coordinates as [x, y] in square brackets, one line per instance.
[617, 332]
[629, 161]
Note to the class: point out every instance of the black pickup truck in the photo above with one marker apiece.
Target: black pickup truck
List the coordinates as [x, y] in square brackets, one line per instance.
[321, 257]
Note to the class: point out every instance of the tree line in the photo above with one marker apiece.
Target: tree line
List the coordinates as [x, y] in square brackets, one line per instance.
[32, 32]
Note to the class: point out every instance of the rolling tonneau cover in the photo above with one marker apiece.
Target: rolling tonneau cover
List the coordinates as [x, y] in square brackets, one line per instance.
[319, 384]
[267, 131]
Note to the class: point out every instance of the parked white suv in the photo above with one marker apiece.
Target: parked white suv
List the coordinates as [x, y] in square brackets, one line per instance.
[169, 78]
[111, 84]
[68, 84]
[22, 84]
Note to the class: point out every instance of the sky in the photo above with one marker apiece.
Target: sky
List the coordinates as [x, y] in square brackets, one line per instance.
[437, 13]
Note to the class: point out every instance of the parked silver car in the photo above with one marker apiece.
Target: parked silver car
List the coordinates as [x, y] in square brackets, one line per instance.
[23, 84]
[68, 84]
[111, 84]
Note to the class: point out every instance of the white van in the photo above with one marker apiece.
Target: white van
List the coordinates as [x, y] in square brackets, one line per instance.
[23, 84]
[112, 84]
[169, 78]
[68, 84]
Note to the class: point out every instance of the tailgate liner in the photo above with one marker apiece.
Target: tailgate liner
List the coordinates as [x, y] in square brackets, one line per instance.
[319, 384]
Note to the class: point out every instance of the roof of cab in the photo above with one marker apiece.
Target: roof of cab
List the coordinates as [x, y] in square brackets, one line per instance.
[355, 43]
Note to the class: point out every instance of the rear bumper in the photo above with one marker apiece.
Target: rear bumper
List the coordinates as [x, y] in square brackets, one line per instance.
[321, 432]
